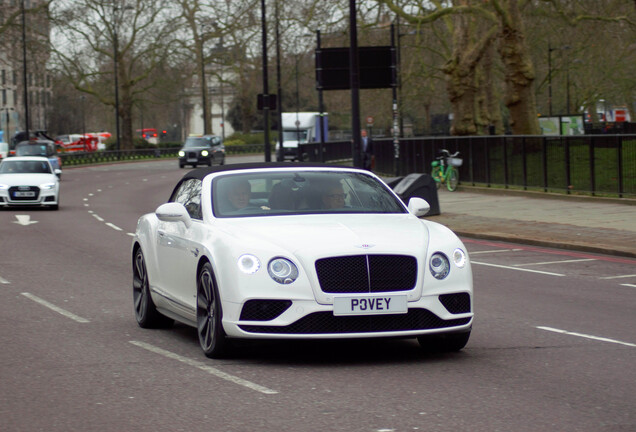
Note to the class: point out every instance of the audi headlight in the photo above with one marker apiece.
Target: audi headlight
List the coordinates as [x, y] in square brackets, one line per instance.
[47, 186]
[439, 265]
[282, 270]
[204, 153]
[181, 153]
[248, 264]
[4, 187]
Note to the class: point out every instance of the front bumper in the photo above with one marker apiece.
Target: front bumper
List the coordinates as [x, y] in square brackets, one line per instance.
[42, 198]
[310, 320]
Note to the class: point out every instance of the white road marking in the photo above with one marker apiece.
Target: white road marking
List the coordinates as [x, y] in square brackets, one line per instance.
[556, 262]
[602, 339]
[113, 226]
[618, 277]
[517, 268]
[629, 285]
[4, 281]
[494, 251]
[200, 365]
[24, 220]
[57, 309]
[131, 234]
[98, 218]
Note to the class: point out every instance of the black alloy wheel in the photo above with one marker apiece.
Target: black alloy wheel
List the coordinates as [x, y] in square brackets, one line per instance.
[145, 310]
[212, 337]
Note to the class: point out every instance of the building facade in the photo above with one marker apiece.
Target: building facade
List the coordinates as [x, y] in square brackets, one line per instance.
[23, 60]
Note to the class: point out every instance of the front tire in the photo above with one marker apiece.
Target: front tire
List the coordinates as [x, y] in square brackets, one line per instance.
[145, 310]
[453, 179]
[446, 342]
[212, 338]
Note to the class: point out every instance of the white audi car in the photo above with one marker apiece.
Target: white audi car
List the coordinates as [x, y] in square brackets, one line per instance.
[293, 251]
[29, 181]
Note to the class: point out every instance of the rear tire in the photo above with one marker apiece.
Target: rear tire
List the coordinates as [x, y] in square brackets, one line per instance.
[212, 338]
[453, 179]
[449, 342]
[436, 173]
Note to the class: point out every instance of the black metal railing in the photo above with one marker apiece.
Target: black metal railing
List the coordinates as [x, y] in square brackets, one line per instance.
[588, 164]
[84, 158]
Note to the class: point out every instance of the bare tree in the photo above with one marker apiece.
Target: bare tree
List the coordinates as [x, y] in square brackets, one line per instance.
[96, 39]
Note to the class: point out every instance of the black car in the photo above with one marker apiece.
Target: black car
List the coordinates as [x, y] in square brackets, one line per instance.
[43, 148]
[202, 150]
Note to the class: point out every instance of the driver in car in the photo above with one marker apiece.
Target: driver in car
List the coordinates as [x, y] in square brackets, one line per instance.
[238, 194]
[333, 197]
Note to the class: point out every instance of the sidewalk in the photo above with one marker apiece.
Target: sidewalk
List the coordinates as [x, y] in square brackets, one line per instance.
[578, 223]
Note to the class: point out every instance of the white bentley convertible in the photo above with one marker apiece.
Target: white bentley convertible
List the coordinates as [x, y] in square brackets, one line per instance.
[306, 251]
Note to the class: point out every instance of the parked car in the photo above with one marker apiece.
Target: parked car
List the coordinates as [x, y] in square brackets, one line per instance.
[202, 150]
[28, 181]
[43, 148]
[299, 251]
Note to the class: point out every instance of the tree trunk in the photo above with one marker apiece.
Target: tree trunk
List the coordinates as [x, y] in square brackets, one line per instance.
[519, 73]
[125, 113]
[460, 80]
[470, 42]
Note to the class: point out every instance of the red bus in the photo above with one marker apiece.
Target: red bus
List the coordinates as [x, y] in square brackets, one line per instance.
[149, 134]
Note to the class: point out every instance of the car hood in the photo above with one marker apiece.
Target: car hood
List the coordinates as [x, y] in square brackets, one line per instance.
[327, 235]
[27, 179]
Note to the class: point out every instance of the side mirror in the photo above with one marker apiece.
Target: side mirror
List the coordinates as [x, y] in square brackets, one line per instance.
[418, 206]
[58, 172]
[173, 212]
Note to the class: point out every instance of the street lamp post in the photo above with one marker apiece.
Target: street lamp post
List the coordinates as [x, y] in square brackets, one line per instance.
[24, 73]
[116, 72]
[268, 152]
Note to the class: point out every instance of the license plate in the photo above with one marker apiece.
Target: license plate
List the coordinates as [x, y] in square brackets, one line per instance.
[24, 194]
[191, 160]
[370, 305]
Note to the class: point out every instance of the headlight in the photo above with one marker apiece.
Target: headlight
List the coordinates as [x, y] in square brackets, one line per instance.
[248, 264]
[4, 187]
[439, 265]
[181, 153]
[47, 186]
[459, 258]
[282, 270]
[204, 152]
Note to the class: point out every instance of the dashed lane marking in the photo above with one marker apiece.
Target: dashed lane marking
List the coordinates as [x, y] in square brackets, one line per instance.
[55, 308]
[619, 276]
[200, 365]
[517, 268]
[629, 285]
[4, 281]
[113, 226]
[586, 336]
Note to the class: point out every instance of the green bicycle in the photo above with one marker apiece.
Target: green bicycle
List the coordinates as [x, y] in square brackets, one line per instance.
[444, 169]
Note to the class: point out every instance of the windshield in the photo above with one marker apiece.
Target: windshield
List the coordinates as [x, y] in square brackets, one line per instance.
[22, 167]
[302, 192]
[299, 135]
[202, 142]
[31, 150]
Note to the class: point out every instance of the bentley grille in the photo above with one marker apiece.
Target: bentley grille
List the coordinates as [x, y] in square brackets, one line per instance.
[367, 273]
